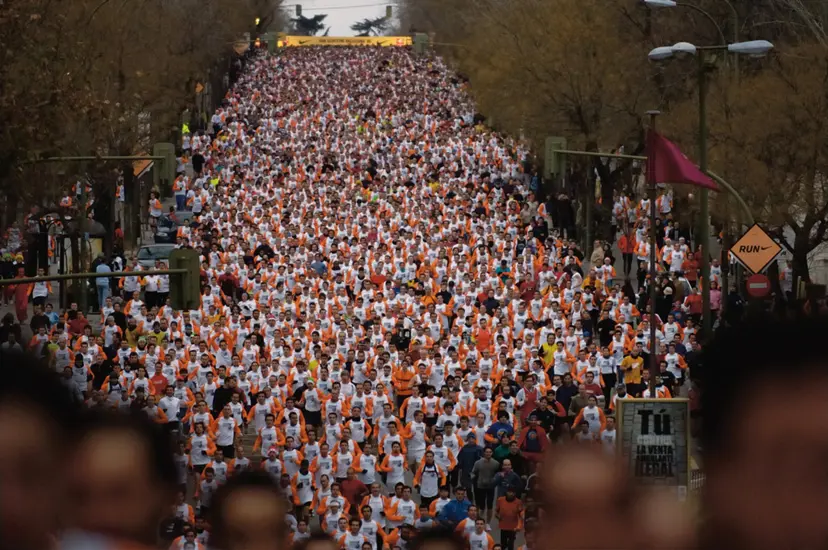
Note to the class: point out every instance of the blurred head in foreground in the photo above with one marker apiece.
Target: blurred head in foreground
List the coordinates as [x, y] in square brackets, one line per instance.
[765, 437]
[582, 487]
[317, 541]
[36, 416]
[121, 478]
[438, 539]
[765, 403]
[248, 513]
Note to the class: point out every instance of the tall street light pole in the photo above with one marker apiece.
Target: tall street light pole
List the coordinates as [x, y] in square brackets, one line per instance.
[704, 196]
[651, 187]
[756, 48]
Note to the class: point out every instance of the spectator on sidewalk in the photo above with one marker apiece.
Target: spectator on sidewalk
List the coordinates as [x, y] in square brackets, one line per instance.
[102, 283]
[180, 191]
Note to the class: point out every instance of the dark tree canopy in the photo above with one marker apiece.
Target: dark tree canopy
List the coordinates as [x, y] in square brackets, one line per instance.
[370, 27]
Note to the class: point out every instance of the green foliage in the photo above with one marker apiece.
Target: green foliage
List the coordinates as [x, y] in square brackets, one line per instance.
[309, 26]
[370, 27]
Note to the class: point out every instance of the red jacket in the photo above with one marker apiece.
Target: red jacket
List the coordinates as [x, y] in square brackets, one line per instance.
[626, 245]
[536, 444]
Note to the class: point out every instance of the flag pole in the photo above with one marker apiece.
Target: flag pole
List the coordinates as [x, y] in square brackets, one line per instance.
[653, 366]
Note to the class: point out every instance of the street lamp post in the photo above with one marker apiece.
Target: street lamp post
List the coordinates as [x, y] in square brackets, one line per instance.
[704, 197]
[755, 48]
[734, 21]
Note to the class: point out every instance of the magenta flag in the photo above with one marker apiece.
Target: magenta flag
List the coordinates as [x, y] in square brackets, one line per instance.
[667, 164]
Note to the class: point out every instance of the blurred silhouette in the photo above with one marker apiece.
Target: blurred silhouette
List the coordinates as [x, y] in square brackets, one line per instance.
[37, 416]
[590, 503]
[121, 482]
[764, 398]
[317, 541]
[439, 538]
[764, 395]
[247, 513]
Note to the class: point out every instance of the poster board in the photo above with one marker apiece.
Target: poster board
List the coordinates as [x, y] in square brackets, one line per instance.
[654, 441]
[384, 41]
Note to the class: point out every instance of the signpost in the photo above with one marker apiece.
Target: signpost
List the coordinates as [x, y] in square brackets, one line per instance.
[756, 249]
[654, 441]
[758, 285]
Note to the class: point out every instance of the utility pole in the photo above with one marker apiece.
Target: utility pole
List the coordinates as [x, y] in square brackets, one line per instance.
[83, 289]
[651, 189]
[704, 195]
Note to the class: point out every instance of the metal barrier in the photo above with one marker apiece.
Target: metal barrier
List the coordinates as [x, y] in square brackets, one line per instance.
[696, 480]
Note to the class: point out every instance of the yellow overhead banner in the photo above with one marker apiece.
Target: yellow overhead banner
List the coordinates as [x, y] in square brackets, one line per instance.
[397, 41]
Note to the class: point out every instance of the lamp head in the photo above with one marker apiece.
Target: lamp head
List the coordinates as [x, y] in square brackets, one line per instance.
[684, 49]
[660, 53]
[754, 48]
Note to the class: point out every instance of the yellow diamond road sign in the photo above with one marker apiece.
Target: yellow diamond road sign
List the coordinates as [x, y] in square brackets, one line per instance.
[756, 249]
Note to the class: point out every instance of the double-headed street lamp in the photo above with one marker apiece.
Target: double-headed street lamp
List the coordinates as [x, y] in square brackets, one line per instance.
[734, 21]
[753, 48]
[713, 20]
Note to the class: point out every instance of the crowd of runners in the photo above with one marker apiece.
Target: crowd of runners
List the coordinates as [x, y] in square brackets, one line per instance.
[389, 326]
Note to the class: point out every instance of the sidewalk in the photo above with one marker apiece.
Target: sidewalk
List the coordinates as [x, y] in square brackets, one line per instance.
[54, 299]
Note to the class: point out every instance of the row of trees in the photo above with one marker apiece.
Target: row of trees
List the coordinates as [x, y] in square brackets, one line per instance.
[312, 26]
[99, 77]
[579, 69]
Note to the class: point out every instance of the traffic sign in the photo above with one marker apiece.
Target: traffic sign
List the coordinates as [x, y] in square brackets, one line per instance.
[758, 285]
[756, 249]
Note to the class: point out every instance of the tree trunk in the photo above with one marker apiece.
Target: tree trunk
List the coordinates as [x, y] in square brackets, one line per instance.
[105, 211]
[109, 235]
[773, 275]
[725, 263]
[131, 223]
[608, 184]
[74, 284]
[799, 261]
[589, 209]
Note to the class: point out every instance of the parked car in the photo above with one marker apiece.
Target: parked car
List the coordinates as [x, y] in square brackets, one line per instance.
[148, 254]
[168, 225]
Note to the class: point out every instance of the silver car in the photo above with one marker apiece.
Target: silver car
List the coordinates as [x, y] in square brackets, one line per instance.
[149, 254]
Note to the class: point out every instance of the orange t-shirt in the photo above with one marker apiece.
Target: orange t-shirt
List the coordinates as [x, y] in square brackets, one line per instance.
[509, 513]
[484, 339]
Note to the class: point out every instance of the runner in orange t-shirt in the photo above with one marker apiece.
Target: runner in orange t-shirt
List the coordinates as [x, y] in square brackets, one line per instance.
[509, 514]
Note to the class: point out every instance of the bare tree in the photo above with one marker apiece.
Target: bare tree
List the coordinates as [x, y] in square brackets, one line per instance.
[100, 77]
